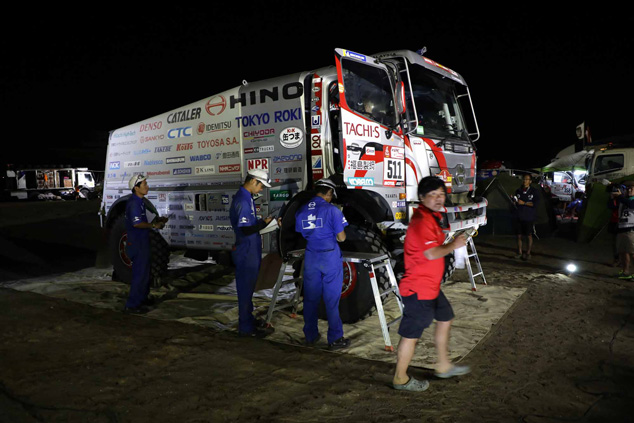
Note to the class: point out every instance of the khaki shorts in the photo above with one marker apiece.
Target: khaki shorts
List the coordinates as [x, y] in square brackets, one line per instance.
[625, 242]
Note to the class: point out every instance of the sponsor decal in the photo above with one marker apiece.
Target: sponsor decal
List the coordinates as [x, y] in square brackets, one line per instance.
[291, 137]
[200, 157]
[153, 126]
[361, 165]
[185, 146]
[152, 162]
[184, 115]
[225, 199]
[159, 173]
[258, 164]
[140, 152]
[159, 137]
[189, 207]
[175, 160]
[353, 55]
[369, 151]
[280, 195]
[295, 169]
[317, 162]
[114, 165]
[135, 163]
[260, 119]
[163, 149]
[288, 92]
[217, 142]
[394, 152]
[125, 134]
[361, 182]
[288, 158]
[258, 134]
[180, 132]
[216, 105]
[182, 171]
[229, 168]
[205, 170]
[224, 228]
[366, 130]
[260, 149]
[315, 121]
[213, 127]
[208, 228]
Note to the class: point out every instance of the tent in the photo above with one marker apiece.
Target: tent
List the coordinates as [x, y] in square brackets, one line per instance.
[574, 161]
[498, 191]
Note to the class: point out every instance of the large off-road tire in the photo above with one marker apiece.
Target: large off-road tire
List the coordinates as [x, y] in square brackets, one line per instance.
[357, 297]
[121, 263]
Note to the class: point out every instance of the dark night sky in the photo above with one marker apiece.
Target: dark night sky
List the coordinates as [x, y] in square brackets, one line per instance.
[534, 75]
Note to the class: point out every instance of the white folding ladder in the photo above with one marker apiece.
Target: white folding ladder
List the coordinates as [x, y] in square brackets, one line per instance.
[474, 254]
[372, 262]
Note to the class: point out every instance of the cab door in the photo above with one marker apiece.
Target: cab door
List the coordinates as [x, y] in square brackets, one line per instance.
[373, 145]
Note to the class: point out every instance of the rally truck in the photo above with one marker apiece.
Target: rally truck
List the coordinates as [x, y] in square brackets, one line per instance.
[375, 125]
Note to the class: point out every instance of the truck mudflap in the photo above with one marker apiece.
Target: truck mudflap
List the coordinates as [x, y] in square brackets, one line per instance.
[466, 216]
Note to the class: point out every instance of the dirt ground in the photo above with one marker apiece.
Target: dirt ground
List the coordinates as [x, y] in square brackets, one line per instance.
[563, 353]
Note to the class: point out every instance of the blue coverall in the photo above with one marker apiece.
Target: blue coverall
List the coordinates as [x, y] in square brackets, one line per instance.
[247, 256]
[319, 222]
[138, 250]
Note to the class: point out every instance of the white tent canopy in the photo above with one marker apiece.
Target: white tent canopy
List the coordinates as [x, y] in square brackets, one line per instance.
[574, 161]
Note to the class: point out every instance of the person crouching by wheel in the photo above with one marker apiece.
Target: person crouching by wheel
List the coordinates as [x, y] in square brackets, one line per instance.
[322, 224]
[423, 301]
[138, 245]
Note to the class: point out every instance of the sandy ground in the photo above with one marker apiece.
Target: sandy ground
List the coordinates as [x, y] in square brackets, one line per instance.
[563, 352]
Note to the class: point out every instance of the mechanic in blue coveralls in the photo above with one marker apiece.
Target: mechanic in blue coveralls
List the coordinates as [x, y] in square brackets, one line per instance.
[322, 224]
[247, 252]
[138, 244]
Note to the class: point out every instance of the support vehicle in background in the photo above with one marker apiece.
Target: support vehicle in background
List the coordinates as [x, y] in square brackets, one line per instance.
[375, 125]
[35, 183]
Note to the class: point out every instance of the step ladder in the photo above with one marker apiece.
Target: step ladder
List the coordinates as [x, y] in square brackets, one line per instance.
[289, 259]
[474, 254]
[370, 261]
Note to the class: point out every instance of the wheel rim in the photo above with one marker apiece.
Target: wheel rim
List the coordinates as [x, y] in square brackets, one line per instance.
[349, 279]
[122, 254]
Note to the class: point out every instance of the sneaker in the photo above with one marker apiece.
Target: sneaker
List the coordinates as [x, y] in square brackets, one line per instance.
[257, 333]
[136, 310]
[339, 344]
[313, 342]
[625, 276]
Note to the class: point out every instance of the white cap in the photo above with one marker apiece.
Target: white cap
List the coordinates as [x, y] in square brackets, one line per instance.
[327, 183]
[135, 179]
[260, 175]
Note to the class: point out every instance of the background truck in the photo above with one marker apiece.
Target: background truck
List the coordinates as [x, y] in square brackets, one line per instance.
[375, 125]
[47, 182]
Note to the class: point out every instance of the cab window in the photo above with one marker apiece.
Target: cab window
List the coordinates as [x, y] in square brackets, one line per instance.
[608, 163]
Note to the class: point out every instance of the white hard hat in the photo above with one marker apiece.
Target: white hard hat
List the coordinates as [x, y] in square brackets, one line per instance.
[135, 179]
[260, 175]
[327, 183]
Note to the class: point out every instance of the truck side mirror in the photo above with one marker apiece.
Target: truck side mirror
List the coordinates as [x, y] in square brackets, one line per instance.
[400, 98]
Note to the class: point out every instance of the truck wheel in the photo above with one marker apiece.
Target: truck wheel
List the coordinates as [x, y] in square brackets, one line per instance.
[357, 298]
[122, 265]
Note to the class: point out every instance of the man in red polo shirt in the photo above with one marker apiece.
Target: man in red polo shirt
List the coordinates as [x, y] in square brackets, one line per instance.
[423, 300]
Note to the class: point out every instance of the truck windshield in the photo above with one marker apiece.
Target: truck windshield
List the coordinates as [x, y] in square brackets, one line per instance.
[437, 108]
[369, 92]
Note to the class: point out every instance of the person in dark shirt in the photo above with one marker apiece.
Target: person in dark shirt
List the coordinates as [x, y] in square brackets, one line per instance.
[526, 199]
[622, 200]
